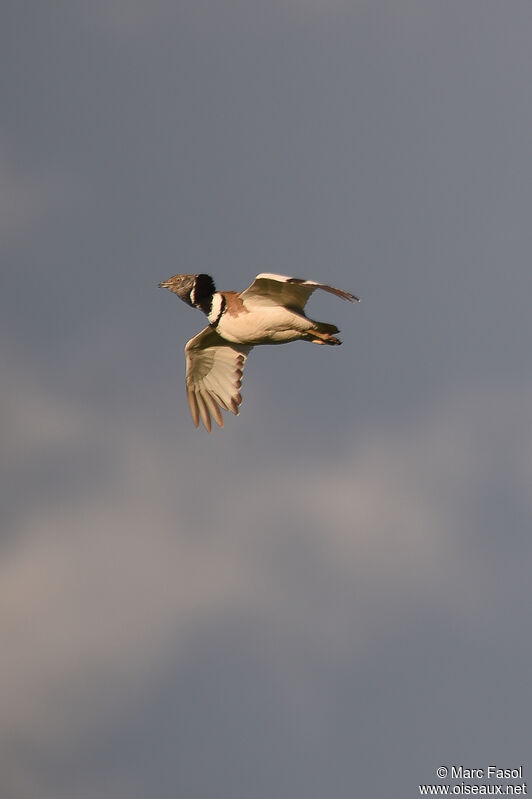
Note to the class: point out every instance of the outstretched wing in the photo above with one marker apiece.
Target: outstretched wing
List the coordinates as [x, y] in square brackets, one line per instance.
[214, 376]
[291, 292]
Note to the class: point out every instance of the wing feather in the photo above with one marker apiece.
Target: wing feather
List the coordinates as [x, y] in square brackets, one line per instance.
[212, 406]
[203, 409]
[291, 292]
[214, 376]
[193, 405]
[217, 394]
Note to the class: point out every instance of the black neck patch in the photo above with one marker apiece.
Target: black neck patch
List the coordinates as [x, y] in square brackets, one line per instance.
[204, 288]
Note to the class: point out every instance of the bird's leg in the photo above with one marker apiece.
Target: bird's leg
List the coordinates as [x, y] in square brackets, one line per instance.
[317, 337]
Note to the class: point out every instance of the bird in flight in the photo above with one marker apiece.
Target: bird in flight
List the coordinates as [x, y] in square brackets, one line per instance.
[270, 311]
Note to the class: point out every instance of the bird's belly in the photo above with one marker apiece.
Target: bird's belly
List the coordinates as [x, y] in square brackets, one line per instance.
[264, 326]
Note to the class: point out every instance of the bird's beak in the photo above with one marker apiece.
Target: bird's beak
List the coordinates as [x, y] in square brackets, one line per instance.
[163, 285]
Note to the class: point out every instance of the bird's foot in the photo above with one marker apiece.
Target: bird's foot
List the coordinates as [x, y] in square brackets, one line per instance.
[323, 338]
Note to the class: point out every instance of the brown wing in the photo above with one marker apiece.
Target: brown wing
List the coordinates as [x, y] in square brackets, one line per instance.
[290, 292]
[214, 376]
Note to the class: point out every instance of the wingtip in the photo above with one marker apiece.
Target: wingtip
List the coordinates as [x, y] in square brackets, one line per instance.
[193, 405]
[351, 297]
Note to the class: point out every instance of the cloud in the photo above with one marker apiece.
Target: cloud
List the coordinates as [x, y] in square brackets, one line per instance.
[104, 587]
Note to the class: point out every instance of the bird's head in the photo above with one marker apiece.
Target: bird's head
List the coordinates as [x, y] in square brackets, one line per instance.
[192, 289]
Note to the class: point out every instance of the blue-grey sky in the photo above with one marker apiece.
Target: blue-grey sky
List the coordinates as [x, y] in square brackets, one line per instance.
[331, 596]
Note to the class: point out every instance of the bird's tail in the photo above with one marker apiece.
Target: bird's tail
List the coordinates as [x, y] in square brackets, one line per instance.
[324, 327]
[322, 333]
